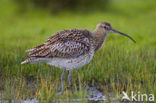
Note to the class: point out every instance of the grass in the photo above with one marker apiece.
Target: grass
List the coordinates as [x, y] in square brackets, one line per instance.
[119, 65]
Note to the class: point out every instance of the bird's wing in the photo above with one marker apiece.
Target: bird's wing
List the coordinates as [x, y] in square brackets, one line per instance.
[65, 44]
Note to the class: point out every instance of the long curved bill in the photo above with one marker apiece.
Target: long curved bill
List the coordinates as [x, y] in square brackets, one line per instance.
[115, 31]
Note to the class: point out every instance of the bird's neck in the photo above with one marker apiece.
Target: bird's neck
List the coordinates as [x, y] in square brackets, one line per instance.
[99, 37]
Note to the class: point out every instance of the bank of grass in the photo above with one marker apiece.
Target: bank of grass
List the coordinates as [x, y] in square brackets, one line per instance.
[119, 65]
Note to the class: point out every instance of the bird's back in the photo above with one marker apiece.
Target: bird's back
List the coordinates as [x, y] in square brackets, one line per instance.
[64, 44]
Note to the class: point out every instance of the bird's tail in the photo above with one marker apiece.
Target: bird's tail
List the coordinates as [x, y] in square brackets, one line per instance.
[33, 53]
[27, 61]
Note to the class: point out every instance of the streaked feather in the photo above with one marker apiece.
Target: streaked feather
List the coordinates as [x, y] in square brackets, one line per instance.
[65, 44]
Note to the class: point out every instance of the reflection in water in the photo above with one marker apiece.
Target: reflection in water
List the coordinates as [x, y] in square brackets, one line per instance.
[94, 94]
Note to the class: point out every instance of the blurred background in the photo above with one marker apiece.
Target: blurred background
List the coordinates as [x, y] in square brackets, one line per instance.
[45, 17]
[56, 6]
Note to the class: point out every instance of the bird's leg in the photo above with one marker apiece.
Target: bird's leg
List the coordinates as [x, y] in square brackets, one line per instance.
[62, 82]
[70, 78]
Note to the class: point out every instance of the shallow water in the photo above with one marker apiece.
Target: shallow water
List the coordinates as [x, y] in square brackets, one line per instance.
[93, 96]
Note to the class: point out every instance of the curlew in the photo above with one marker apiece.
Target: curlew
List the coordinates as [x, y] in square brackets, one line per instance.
[71, 49]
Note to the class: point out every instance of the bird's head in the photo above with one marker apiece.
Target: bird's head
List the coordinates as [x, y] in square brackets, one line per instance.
[105, 28]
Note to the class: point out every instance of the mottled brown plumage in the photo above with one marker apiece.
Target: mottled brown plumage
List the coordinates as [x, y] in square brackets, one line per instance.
[65, 44]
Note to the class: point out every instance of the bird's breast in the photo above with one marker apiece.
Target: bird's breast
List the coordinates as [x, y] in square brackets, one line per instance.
[72, 63]
[97, 43]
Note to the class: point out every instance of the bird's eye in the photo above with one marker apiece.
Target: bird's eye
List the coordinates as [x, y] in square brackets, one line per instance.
[105, 27]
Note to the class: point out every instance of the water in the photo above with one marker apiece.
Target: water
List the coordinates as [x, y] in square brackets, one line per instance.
[96, 95]
[93, 96]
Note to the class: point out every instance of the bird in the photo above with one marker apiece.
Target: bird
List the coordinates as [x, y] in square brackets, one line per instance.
[71, 49]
